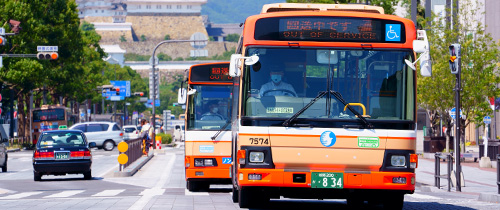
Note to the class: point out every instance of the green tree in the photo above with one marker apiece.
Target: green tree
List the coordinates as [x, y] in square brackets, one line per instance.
[233, 37]
[143, 38]
[122, 38]
[164, 57]
[479, 80]
[388, 5]
[167, 37]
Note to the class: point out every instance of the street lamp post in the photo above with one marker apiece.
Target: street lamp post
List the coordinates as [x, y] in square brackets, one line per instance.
[154, 80]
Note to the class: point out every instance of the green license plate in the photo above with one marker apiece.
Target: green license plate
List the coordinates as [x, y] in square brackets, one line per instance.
[62, 155]
[327, 180]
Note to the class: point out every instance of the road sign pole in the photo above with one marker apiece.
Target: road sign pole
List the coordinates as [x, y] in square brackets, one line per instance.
[154, 81]
[458, 117]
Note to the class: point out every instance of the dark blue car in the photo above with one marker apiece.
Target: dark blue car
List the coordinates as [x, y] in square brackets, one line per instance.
[62, 152]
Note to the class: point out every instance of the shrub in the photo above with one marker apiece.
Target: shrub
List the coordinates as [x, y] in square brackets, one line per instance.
[122, 38]
[167, 37]
[165, 138]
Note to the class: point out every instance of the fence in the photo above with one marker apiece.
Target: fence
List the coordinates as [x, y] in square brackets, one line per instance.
[134, 151]
[437, 169]
[498, 173]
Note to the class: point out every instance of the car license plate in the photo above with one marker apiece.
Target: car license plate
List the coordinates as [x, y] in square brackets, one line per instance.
[327, 180]
[62, 155]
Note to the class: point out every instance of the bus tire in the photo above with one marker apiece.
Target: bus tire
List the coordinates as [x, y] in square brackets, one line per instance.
[37, 176]
[196, 186]
[251, 198]
[354, 202]
[108, 145]
[394, 201]
[235, 195]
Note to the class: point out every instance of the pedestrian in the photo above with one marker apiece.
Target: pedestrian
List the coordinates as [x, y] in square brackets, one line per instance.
[145, 136]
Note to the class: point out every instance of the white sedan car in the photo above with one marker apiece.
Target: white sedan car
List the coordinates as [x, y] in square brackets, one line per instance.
[130, 132]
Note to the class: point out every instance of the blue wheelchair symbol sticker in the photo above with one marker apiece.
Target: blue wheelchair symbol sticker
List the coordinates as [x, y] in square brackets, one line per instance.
[226, 160]
[393, 32]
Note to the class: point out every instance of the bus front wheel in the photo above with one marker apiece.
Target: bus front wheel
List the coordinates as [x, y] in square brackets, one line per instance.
[235, 195]
[251, 197]
[394, 201]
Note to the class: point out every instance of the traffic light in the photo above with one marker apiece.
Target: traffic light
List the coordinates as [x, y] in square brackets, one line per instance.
[2, 40]
[117, 91]
[139, 94]
[454, 61]
[47, 56]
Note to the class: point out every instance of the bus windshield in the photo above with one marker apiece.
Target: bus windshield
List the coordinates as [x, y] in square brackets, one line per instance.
[376, 83]
[209, 107]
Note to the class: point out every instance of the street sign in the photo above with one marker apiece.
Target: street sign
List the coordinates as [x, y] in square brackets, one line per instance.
[47, 48]
[1, 62]
[157, 102]
[453, 113]
[157, 61]
[197, 38]
[487, 120]
[116, 98]
[124, 87]
[2, 31]
[143, 99]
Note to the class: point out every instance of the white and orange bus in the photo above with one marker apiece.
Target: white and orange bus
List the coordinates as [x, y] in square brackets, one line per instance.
[49, 117]
[325, 105]
[207, 134]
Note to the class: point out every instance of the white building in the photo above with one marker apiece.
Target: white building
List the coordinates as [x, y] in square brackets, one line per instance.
[116, 55]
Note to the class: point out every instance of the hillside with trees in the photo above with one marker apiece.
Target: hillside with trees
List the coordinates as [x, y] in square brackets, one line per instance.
[234, 11]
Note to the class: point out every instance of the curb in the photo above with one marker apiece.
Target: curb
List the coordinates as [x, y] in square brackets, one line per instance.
[134, 167]
[14, 150]
[492, 198]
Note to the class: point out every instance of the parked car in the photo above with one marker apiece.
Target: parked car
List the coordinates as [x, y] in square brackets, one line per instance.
[106, 135]
[3, 154]
[130, 132]
[61, 152]
[178, 134]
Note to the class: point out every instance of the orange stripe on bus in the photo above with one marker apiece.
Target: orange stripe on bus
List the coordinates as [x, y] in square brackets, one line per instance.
[305, 135]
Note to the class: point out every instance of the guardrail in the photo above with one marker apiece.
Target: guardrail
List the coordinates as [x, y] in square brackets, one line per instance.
[437, 169]
[134, 151]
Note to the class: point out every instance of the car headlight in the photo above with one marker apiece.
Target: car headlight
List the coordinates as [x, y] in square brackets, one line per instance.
[256, 157]
[398, 160]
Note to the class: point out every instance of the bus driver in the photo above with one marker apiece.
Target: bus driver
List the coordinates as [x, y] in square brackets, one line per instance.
[277, 87]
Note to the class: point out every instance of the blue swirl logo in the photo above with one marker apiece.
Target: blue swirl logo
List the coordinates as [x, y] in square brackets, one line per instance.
[328, 138]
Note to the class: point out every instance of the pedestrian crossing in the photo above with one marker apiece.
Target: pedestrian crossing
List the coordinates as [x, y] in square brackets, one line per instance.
[10, 195]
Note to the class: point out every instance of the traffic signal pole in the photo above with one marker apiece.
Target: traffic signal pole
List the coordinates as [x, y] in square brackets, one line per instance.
[456, 67]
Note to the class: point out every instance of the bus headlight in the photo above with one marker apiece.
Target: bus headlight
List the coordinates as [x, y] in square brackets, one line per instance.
[198, 162]
[209, 162]
[256, 157]
[398, 160]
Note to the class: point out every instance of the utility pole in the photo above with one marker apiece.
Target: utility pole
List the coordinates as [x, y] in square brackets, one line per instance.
[414, 12]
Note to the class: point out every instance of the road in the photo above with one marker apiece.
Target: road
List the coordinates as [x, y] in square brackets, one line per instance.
[160, 185]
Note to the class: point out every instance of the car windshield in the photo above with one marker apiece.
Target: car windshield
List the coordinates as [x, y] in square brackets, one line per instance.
[376, 83]
[129, 130]
[209, 107]
[61, 139]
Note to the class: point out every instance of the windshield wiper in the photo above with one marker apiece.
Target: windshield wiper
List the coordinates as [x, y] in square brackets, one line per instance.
[220, 130]
[341, 99]
[292, 118]
[320, 95]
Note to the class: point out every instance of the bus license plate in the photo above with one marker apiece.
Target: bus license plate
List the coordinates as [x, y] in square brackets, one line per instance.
[62, 155]
[327, 180]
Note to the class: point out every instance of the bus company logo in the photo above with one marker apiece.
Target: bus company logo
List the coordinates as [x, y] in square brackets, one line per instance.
[328, 138]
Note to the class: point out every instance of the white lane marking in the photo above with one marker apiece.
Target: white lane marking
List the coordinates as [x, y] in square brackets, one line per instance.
[65, 194]
[148, 194]
[420, 196]
[108, 193]
[187, 192]
[3, 191]
[20, 195]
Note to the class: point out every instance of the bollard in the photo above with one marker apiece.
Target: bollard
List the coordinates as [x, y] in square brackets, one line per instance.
[450, 165]
[498, 172]
[437, 171]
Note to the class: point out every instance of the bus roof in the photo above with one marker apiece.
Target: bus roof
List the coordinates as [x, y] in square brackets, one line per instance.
[58, 106]
[286, 7]
[249, 30]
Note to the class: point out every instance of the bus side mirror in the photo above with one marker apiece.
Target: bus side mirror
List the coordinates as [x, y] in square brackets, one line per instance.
[234, 65]
[182, 96]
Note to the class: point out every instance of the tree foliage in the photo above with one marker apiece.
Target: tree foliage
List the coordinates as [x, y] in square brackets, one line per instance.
[479, 80]
[233, 37]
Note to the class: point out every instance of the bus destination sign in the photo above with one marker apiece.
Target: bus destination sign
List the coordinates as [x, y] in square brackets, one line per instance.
[338, 29]
[213, 73]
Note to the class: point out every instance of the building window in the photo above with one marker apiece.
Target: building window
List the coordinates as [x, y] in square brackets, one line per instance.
[148, 6]
[102, 11]
[138, 6]
[179, 6]
[96, 11]
[158, 6]
[169, 6]
[190, 6]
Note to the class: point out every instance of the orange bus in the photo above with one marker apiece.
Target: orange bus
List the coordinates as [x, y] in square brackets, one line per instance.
[49, 117]
[207, 134]
[325, 105]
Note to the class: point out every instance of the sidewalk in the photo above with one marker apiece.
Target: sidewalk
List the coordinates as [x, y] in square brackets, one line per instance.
[480, 182]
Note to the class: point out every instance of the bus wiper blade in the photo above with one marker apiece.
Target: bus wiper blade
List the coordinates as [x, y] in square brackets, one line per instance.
[341, 99]
[292, 118]
[220, 130]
